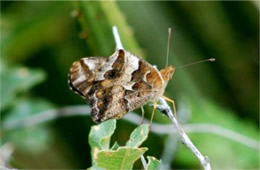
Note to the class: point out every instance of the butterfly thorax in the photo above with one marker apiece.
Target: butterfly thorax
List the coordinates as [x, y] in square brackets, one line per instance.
[167, 74]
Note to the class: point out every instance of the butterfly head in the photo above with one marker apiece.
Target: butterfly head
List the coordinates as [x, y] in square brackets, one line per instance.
[167, 72]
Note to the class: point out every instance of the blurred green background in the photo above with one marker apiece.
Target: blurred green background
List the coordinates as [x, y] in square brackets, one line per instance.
[40, 41]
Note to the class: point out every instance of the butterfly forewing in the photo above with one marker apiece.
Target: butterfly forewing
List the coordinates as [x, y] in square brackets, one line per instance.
[116, 85]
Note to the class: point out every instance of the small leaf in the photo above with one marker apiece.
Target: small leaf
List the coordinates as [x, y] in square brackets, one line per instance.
[99, 136]
[31, 139]
[14, 80]
[123, 158]
[96, 168]
[138, 136]
[24, 108]
[115, 146]
[153, 163]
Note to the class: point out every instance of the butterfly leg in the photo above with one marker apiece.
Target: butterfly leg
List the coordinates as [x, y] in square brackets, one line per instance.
[142, 121]
[154, 108]
[173, 105]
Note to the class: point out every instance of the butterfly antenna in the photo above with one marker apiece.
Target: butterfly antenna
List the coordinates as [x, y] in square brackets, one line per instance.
[187, 65]
[168, 45]
[117, 38]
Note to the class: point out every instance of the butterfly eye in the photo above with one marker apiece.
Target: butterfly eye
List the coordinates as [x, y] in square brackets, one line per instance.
[111, 74]
[105, 101]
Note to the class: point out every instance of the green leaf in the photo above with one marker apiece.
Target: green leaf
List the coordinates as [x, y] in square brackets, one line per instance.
[25, 108]
[95, 168]
[117, 157]
[234, 152]
[99, 136]
[138, 136]
[18, 79]
[30, 139]
[115, 146]
[123, 158]
[33, 139]
[153, 163]
[21, 29]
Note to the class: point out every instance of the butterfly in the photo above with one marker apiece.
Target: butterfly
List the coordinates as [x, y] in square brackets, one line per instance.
[118, 84]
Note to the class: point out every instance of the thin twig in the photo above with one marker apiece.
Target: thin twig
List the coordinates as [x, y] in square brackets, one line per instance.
[163, 129]
[204, 161]
[5, 155]
[5, 168]
[160, 129]
[144, 162]
[46, 116]
[120, 46]
[185, 139]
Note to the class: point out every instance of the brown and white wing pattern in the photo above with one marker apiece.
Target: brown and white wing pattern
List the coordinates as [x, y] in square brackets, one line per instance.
[116, 85]
[83, 73]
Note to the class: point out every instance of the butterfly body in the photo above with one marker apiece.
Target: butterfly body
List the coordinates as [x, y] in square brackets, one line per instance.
[116, 85]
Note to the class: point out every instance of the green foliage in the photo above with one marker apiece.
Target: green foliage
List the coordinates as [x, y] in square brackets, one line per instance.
[25, 108]
[29, 32]
[17, 80]
[99, 136]
[138, 136]
[116, 157]
[153, 163]
[100, 39]
[213, 114]
[115, 146]
[122, 158]
[29, 139]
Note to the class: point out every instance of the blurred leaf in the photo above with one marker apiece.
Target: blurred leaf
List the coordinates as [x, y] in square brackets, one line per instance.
[97, 18]
[115, 158]
[18, 79]
[138, 136]
[153, 163]
[37, 24]
[33, 139]
[95, 168]
[115, 146]
[99, 137]
[26, 107]
[28, 139]
[122, 158]
[223, 152]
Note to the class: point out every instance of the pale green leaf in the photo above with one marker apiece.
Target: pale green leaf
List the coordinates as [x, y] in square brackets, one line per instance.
[99, 136]
[122, 159]
[24, 108]
[33, 138]
[95, 168]
[153, 163]
[15, 80]
[138, 136]
[115, 146]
